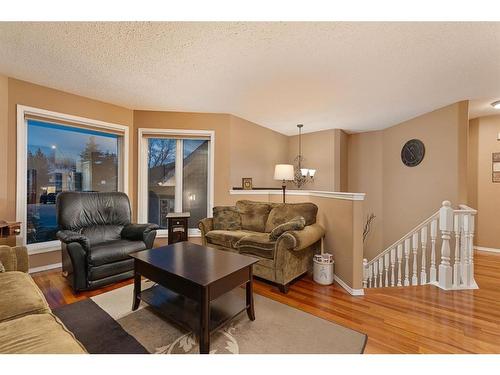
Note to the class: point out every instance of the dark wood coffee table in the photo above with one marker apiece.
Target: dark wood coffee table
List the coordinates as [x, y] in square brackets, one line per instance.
[197, 286]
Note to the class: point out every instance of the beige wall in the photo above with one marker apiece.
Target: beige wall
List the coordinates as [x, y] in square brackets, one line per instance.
[365, 174]
[485, 194]
[409, 195]
[318, 150]
[255, 151]
[4, 149]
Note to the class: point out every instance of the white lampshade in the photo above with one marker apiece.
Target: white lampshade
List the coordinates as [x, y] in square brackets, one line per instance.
[312, 172]
[283, 172]
[304, 171]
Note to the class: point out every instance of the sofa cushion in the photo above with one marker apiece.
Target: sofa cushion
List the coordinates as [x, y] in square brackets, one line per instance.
[253, 215]
[113, 251]
[20, 296]
[284, 212]
[225, 238]
[257, 244]
[297, 223]
[38, 334]
[226, 218]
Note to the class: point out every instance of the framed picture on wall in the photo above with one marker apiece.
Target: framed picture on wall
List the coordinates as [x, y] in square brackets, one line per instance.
[246, 183]
[495, 167]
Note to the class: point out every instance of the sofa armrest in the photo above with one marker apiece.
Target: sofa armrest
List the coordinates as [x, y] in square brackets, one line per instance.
[14, 258]
[68, 236]
[205, 226]
[300, 239]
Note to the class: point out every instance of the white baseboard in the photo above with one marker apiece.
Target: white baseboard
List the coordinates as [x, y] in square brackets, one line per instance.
[351, 291]
[488, 249]
[45, 268]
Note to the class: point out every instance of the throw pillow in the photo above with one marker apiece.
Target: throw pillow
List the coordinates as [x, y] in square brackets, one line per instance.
[2, 268]
[297, 223]
[226, 218]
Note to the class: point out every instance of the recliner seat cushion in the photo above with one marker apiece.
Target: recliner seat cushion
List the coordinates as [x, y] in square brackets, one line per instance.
[20, 296]
[106, 270]
[113, 251]
[225, 238]
[284, 212]
[258, 244]
[253, 215]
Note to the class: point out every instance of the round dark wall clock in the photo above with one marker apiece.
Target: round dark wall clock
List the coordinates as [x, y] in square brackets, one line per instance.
[413, 153]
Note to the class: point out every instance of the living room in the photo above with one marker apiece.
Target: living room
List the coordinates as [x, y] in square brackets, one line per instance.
[227, 187]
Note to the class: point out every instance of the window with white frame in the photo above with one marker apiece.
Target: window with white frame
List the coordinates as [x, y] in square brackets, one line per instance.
[59, 153]
[175, 175]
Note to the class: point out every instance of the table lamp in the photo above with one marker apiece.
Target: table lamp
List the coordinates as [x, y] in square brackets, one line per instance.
[284, 172]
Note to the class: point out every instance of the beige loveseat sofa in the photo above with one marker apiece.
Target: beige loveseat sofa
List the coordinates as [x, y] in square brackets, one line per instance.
[283, 236]
[27, 325]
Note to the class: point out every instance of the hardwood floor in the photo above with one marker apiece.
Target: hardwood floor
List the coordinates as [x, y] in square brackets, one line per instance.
[421, 319]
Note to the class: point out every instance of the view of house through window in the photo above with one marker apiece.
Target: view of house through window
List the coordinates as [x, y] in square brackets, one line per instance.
[65, 158]
[187, 157]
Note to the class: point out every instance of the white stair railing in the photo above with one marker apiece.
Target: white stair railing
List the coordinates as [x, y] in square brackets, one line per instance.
[412, 260]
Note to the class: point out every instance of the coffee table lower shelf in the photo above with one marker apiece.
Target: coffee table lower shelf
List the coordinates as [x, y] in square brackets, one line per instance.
[186, 312]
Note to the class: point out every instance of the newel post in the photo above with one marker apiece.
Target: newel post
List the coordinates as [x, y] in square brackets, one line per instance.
[446, 227]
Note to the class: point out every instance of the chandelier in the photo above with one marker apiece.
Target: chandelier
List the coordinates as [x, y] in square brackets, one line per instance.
[302, 175]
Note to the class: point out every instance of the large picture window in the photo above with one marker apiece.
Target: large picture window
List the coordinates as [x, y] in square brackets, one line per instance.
[63, 158]
[177, 178]
[57, 153]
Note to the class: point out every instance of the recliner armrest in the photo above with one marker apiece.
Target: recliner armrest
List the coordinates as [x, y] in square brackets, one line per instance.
[68, 236]
[137, 232]
[300, 239]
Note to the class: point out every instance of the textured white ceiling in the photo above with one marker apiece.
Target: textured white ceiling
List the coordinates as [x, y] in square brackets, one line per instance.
[354, 76]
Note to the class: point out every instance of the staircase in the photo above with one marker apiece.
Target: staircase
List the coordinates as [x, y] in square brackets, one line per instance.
[416, 260]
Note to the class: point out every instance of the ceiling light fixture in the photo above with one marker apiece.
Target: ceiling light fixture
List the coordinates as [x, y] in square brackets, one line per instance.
[496, 104]
[302, 175]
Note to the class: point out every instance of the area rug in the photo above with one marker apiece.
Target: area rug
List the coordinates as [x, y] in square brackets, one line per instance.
[106, 324]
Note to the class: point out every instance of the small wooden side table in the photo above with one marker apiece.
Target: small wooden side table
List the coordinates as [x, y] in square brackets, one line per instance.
[9, 231]
[177, 224]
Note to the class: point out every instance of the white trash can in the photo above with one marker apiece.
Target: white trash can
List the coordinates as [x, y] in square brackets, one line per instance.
[323, 269]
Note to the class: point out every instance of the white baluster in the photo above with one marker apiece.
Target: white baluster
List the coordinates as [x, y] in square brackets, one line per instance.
[365, 273]
[407, 263]
[370, 276]
[375, 273]
[467, 270]
[423, 241]
[432, 271]
[414, 277]
[400, 257]
[471, 247]
[380, 271]
[393, 262]
[446, 226]
[457, 273]
[386, 269]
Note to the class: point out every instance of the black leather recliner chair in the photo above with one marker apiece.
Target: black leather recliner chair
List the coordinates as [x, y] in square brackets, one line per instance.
[97, 236]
